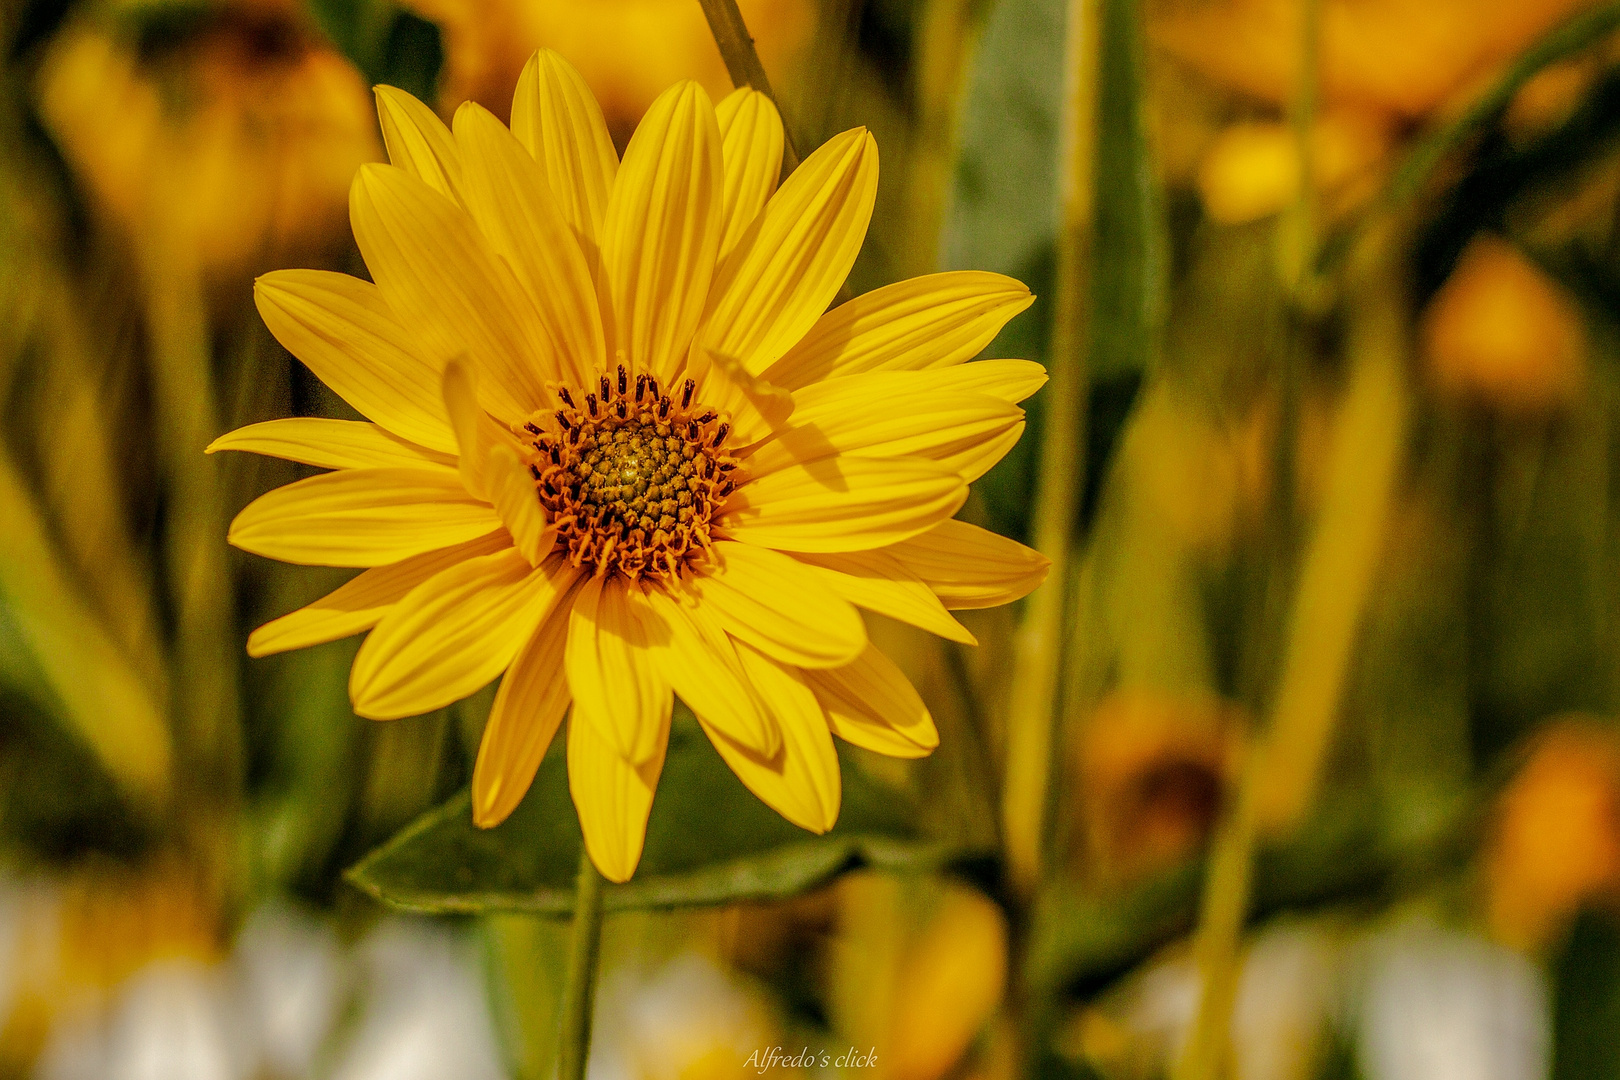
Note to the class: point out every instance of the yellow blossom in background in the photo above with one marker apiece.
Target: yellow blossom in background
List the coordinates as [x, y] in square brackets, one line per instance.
[621, 447]
[1392, 57]
[949, 984]
[1502, 332]
[1152, 770]
[234, 144]
[627, 50]
[1556, 841]
[1384, 64]
[1252, 168]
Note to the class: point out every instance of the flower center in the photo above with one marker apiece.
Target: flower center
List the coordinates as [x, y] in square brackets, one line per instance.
[630, 475]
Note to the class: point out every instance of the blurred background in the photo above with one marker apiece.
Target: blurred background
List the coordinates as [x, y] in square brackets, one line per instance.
[1347, 462]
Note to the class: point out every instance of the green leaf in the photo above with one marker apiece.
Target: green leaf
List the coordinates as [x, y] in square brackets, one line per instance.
[387, 43]
[709, 841]
[55, 650]
[1586, 1000]
[1357, 849]
[1127, 254]
[1003, 214]
[1576, 35]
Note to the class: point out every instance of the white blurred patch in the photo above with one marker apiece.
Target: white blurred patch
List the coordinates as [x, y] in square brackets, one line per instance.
[689, 1012]
[173, 1020]
[1283, 1003]
[290, 979]
[425, 1015]
[1441, 1005]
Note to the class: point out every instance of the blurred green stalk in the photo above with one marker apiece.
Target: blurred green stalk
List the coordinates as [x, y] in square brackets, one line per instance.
[579, 992]
[206, 706]
[743, 65]
[1038, 646]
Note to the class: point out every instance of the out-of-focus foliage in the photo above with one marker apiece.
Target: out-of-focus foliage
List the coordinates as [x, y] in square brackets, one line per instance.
[708, 841]
[1349, 461]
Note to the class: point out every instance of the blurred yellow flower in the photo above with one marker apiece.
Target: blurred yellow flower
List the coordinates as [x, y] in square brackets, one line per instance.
[1387, 56]
[1152, 771]
[582, 466]
[627, 50]
[235, 143]
[1556, 842]
[1252, 169]
[1502, 332]
[949, 985]
[1383, 64]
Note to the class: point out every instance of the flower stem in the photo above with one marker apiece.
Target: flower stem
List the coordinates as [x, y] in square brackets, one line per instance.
[579, 994]
[742, 63]
[1038, 646]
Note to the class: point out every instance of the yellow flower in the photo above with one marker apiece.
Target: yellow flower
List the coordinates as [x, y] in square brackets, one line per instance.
[1502, 332]
[233, 144]
[618, 450]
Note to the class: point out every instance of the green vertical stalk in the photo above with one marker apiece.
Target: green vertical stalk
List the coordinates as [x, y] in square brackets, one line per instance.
[1038, 646]
[579, 993]
[1207, 1052]
[742, 63]
[206, 708]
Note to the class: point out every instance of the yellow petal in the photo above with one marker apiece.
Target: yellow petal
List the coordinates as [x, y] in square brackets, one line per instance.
[871, 704]
[611, 796]
[452, 634]
[751, 144]
[970, 567]
[557, 119]
[875, 416]
[796, 255]
[467, 418]
[753, 406]
[802, 782]
[418, 141]
[662, 231]
[443, 280]
[611, 673]
[877, 581]
[344, 332]
[512, 491]
[700, 662]
[362, 517]
[331, 444]
[507, 195]
[843, 503]
[925, 322]
[528, 709]
[1010, 380]
[779, 606]
[361, 602]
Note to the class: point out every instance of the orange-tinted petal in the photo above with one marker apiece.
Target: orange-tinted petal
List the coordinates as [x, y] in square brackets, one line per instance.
[871, 704]
[360, 603]
[611, 673]
[362, 517]
[453, 634]
[662, 231]
[528, 709]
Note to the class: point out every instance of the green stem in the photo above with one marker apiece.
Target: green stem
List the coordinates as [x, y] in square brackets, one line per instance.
[1300, 224]
[742, 63]
[584, 950]
[1206, 1055]
[1038, 646]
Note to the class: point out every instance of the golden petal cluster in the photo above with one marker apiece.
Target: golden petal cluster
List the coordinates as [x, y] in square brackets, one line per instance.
[540, 303]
